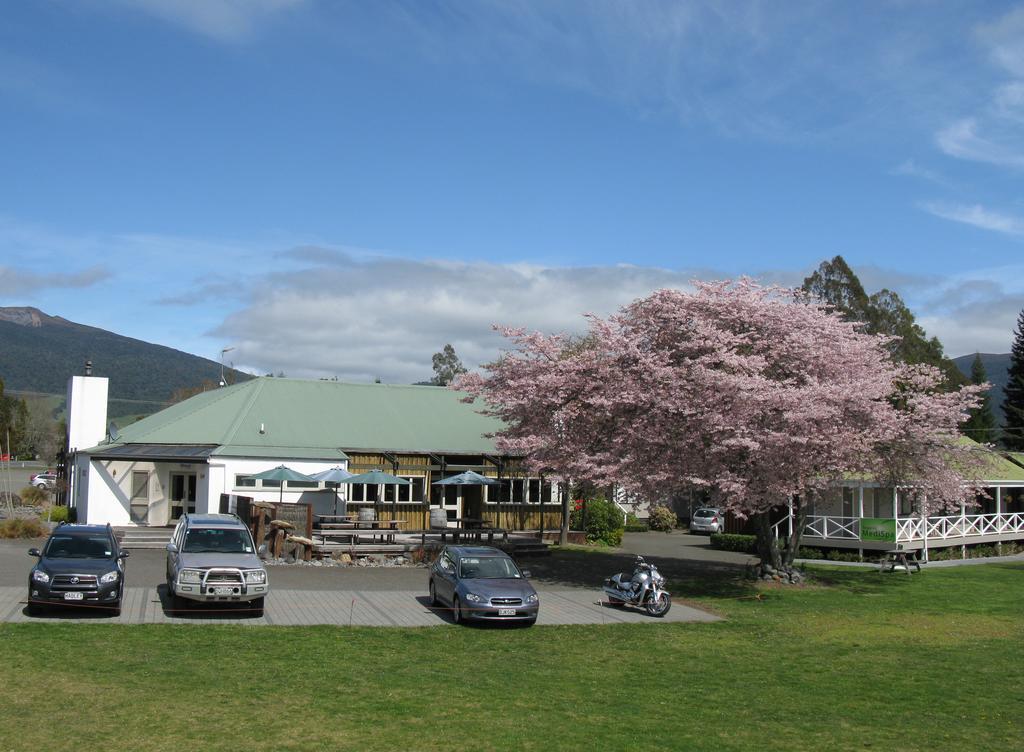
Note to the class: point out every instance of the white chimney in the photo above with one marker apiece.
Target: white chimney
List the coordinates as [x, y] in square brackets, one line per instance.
[87, 410]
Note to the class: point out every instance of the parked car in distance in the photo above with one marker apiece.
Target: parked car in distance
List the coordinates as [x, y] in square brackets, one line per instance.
[481, 582]
[44, 480]
[708, 520]
[212, 558]
[79, 565]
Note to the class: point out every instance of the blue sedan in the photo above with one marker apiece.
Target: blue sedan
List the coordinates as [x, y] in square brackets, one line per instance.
[480, 582]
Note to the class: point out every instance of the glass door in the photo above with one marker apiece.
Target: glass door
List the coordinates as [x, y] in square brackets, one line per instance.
[183, 494]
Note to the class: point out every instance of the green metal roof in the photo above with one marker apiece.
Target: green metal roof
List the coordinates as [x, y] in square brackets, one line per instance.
[291, 418]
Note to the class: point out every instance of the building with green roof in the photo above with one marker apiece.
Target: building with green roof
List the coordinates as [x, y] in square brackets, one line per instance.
[197, 454]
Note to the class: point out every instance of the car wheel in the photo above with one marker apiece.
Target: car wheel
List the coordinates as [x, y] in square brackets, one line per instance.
[433, 594]
[256, 607]
[456, 611]
[178, 603]
[34, 609]
[115, 610]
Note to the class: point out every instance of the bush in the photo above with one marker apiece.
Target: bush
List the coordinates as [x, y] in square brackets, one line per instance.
[744, 544]
[605, 522]
[34, 496]
[661, 518]
[633, 525]
[23, 527]
[59, 514]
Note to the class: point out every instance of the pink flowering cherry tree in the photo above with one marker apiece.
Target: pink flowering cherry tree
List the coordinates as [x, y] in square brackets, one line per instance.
[754, 392]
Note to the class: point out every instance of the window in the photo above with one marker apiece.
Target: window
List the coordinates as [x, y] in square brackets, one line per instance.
[518, 491]
[302, 484]
[243, 481]
[361, 493]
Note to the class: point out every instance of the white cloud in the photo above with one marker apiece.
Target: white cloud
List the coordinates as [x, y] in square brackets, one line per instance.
[977, 216]
[16, 281]
[223, 20]
[961, 140]
[386, 317]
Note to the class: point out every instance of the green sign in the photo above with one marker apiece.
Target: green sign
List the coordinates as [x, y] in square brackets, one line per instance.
[878, 529]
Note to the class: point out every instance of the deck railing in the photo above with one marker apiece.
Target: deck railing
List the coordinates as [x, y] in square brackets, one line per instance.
[915, 528]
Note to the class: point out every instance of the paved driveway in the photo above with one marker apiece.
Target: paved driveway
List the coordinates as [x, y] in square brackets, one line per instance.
[360, 596]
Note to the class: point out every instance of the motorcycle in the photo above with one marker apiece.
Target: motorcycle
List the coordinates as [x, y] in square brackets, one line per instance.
[645, 588]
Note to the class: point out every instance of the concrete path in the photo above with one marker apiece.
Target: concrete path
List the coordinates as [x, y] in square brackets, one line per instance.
[391, 608]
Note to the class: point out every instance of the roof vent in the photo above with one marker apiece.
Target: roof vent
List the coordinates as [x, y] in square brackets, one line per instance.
[262, 428]
[88, 368]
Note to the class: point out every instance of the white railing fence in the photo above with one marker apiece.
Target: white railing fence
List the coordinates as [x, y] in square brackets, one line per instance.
[914, 528]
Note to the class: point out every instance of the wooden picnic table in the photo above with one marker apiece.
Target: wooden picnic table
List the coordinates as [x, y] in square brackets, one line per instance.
[457, 533]
[354, 529]
[899, 557]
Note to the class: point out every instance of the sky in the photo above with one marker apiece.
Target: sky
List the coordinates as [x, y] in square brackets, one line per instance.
[338, 189]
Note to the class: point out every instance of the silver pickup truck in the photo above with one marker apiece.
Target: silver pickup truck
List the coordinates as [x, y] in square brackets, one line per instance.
[212, 558]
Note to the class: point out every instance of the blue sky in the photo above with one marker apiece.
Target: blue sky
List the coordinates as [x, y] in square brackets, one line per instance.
[339, 189]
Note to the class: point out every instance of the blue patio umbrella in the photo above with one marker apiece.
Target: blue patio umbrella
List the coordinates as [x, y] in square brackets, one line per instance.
[333, 478]
[281, 473]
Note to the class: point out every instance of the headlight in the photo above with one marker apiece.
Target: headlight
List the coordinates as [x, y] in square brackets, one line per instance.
[473, 597]
[108, 578]
[38, 575]
[532, 598]
[255, 575]
[191, 575]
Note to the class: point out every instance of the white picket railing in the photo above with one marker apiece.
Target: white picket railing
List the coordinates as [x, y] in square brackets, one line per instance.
[914, 528]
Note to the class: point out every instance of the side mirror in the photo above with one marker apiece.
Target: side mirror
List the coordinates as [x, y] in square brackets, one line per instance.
[34, 552]
[171, 548]
[124, 554]
[262, 550]
[526, 573]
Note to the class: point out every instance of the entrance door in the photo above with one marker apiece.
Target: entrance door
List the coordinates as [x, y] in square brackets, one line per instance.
[183, 494]
[451, 502]
[138, 509]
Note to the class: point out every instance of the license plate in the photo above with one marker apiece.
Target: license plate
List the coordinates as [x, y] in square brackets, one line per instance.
[73, 596]
[506, 612]
[223, 591]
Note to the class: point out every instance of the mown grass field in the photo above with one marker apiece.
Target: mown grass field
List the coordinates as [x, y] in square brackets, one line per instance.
[857, 661]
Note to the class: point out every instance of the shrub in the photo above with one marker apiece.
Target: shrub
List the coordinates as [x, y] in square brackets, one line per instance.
[605, 522]
[34, 496]
[661, 518]
[839, 555]
[744, 544]
[633, 525]
[59, 514]
[23, 527]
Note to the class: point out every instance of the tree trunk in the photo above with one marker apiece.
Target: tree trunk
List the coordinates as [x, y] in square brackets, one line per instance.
[776, 562]
[563, 534]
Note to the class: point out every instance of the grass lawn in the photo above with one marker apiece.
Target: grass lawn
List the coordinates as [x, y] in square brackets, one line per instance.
[859, 660]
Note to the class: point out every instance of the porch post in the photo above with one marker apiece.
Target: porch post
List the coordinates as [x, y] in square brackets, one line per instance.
[924, 527]
[999, 518]
[790, 523]
[860, 520]
[963, 527]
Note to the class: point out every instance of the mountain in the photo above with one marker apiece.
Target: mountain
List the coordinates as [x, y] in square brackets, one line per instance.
[997, 368]
[39, 352]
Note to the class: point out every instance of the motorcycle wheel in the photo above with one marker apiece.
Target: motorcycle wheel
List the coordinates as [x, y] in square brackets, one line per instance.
[658, 605]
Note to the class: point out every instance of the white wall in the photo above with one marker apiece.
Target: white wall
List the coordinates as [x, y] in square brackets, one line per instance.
[104, 495]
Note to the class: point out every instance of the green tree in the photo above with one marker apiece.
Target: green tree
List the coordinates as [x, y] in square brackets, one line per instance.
[1013, 399]
[981, 426]
[446, 367]
[883, 312]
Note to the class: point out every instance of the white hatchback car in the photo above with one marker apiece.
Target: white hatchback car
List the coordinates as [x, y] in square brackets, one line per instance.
[708, 520]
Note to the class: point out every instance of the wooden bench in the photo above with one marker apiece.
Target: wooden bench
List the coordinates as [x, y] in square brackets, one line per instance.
[473, 533]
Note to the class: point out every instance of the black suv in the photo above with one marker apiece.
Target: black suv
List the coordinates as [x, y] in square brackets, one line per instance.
[80, 565]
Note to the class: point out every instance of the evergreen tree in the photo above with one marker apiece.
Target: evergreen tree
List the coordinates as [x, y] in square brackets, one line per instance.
[981, 426]
[883, 312]
[1013, 402]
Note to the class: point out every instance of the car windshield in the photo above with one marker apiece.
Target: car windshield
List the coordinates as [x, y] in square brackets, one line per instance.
[79, 547]
[488, 568]
[217, 541]
[705, 513]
